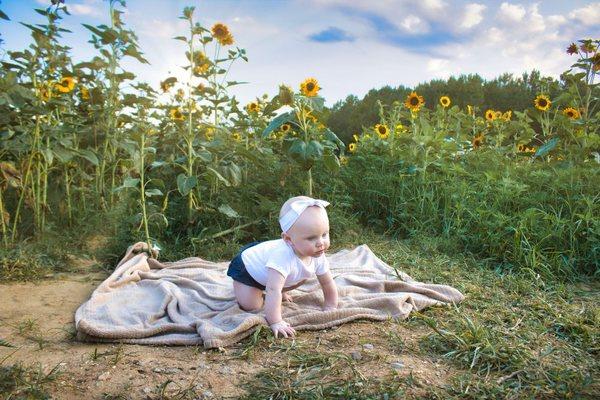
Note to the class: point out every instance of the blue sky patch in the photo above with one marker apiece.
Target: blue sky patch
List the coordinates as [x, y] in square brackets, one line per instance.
[331, 35]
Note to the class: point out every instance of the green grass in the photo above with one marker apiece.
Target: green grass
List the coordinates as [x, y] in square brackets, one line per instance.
[18, 382]
[518, 334]
[513, 337]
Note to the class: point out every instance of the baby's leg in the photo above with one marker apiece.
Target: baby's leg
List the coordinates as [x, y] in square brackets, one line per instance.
[248, 297]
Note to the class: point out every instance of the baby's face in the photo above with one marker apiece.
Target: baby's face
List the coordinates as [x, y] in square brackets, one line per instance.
[309, 235]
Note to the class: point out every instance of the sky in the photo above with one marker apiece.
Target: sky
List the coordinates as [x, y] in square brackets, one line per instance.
[349, 46]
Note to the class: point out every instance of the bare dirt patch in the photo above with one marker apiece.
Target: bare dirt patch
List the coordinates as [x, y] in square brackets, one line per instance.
[38, 319]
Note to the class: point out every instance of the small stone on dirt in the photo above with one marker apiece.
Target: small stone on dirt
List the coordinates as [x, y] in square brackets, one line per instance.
[356, 356]
[207, 394]
[158, 370]
[398, 365]
[368, 346]
[104, 376]
[172, 370]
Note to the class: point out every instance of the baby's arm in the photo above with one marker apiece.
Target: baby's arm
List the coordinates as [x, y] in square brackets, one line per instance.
[274, 286]
[330, 293]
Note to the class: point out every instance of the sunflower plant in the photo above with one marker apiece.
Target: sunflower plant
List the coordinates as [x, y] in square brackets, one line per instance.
[199, 115]
[581, 117]
[315, 142]
[39, 84]
[114, 43]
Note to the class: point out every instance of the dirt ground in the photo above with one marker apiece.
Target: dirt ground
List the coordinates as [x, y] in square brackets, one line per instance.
[38, 319]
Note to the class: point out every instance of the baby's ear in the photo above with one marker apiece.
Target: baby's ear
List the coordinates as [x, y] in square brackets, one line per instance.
[285, 237]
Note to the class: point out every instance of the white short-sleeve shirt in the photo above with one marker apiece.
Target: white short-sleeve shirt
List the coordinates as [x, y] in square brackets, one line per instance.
[279, 255]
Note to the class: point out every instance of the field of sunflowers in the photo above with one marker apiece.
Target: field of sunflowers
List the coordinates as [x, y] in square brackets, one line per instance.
[503, 204]
[84, 146]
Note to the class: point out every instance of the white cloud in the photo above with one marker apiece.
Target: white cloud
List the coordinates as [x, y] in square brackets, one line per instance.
[434, 6]
[535, 21]
[511, 13]
[555, 21]
[84, 9]
[414, 24]
[588, 15]
[437, 65]
[473, 15]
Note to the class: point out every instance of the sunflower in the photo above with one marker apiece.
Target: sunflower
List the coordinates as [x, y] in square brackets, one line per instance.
[414, 102]
[236, 136]
[382, 131]
[588, 47]
[344, 160]
[253, 107]
[311, 116]
[200, 69]
[542, 102]
[490, 115]
[176, 114]
[498, 114]
[221, 33]
[571, 112]
[352, 147]
[45, 93]
[285, 128]
[286, 95]
[85, 93]
[521, 148]
[596, 62]
[210, 133]
[507, 115]
[400, 128]
[310, 87]
[445, 101]
[65, 85]
[167, 84]
[477, 141]
[572, 49]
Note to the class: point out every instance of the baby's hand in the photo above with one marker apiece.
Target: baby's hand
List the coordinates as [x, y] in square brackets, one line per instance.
[284, 328]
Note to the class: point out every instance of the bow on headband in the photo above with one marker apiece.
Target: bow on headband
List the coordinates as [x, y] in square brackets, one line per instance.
[296, 208]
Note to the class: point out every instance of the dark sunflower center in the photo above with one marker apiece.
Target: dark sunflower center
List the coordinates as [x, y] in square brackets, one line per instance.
[445, 101]
[543, 103]
[414, 101]
[382, 130]
[310, 86]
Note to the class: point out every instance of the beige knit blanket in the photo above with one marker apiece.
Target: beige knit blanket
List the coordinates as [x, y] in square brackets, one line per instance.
[191, 301]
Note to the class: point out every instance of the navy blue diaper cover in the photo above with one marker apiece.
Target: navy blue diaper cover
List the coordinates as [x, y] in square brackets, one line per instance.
[237, 270]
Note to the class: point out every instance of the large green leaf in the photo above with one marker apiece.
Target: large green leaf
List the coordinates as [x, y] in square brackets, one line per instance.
[332, 163]
[314, 150]
[546, 147]
[298, 150]
[218, 176]
[232, 173]
[63, 154]
[227, 210]
[276, 123]
[153, 192]
[89, 155]
[186, 183]
[130, 182]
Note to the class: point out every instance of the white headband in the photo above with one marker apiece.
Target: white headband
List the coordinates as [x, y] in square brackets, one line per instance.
[296, 208]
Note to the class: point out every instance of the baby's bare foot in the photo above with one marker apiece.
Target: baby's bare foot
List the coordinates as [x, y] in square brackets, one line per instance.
[286, 297]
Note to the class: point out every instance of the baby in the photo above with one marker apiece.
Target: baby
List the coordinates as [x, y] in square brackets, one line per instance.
[280, 265]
